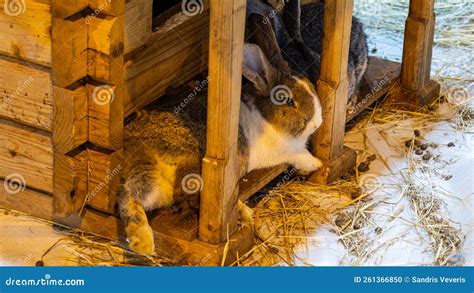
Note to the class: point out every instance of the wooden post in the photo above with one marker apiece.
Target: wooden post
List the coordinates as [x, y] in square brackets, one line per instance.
[87, 48]
[332, 88]
[218, 209]
[415, 84]
[106, 95]
[70, 118]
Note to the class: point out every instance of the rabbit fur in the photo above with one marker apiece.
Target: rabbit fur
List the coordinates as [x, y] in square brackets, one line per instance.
[167, 143]
[298, 30]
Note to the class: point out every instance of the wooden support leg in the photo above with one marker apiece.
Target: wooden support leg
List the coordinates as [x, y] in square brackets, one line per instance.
[332, 88]
[218, 208]
[415, 84]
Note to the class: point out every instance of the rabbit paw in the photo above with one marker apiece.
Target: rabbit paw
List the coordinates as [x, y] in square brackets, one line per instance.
[307, 163]
[141, 239]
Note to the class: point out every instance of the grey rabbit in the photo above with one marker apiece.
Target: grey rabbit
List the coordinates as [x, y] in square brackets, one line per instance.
[166, 144]
[299, 33]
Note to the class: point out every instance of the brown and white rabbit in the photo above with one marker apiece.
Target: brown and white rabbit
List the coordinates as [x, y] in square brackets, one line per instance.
[278, 113]
[299, 34]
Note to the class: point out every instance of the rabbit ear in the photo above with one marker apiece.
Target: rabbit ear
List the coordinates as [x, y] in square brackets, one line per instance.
[257, 69]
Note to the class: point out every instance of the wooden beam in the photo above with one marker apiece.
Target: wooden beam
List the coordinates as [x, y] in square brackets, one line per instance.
[109, 7]
[218, 208]
[71, 124]
[25, 30]
[379, 78]
[26, 153]
[70, 112]
[26, 94]
[69, 51]
[257, 179]
[70, 185]
[106, 102]
[104, 173]
[106, 65]
[332, 88]
[181, 251]
[65, 8]
[415, 84]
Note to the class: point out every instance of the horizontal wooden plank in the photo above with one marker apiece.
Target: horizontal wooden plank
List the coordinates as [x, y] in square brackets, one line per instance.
[138, 24]
[181, 251]
[25, 30]
[162, 46]
[152, 83]
[379, 78]
[26, 93]
[26, 154]
[257, 179]
[139, 30]
[40, 205]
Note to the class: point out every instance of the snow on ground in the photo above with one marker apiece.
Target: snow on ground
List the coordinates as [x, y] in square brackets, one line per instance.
[401, 239]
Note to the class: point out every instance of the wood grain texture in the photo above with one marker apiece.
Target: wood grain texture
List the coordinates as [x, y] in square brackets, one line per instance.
[193, 252]
[332, 85]
[71, 124]
[380, 77]
[26, 93]
[106, 49]
[40, 205]
[106, 115]
[70, 185]
[104, 172]
[65, 8]
[112, 7]
[218, 208]
[27, 152]
[415, 85]
[69, 51]
[257, 179]
[25, 31]
[138, 24]
[418, 45]
[154, 81]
